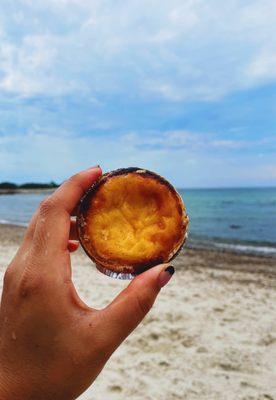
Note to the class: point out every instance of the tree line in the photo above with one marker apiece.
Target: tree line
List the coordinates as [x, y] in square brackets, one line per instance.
[28, 185]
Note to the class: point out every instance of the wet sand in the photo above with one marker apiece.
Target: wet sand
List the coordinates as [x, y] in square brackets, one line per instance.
[210, 335]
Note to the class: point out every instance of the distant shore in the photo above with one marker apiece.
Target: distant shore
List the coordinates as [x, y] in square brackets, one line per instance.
[25, 191]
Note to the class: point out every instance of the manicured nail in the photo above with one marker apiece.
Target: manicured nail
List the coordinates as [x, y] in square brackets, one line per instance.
[166, 275]
[94, 166]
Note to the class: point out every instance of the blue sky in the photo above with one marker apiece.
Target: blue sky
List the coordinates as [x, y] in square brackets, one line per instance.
[186, 88]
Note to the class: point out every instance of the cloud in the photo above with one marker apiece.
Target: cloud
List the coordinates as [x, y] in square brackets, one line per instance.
[178, 140]
[184, 88]
[24, 67]
[176, 51]
[263, 67]
[230, 144]
[184, 158]
[47, 156]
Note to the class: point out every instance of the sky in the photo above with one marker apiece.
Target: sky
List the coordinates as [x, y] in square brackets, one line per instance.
[186, 88]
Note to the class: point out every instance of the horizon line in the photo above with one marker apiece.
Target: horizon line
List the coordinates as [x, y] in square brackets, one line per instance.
[226, 187]
[177, 187]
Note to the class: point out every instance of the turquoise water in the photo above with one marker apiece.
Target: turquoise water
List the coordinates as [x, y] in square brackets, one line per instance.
[240, 219]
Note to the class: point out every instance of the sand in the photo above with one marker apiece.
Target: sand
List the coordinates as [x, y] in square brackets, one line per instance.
[210, 335]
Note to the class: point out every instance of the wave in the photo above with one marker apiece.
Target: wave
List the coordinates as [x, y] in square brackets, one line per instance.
[241, 248]
[194, 241]
[15, 223]
[260, 248]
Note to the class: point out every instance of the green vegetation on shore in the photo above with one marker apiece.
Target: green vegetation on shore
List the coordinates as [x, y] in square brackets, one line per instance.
[28, 185]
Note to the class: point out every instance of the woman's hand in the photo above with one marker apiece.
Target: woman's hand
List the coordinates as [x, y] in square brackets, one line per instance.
[52, 345]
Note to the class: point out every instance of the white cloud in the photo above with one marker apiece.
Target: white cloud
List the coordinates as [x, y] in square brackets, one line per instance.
[230, 144]
[185, 158]
[178, 140]
[263, 66]
[177, 50]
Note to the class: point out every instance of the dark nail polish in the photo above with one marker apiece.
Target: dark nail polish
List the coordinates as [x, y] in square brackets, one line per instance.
[165, 276]
[170, 269]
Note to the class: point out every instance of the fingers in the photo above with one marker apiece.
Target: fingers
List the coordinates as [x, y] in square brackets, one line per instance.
[30, 229]
[73, 245]
[53, 220]
[133, 303]
[70, 192]
[73, 235]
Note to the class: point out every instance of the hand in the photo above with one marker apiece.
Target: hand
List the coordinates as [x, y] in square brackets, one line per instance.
[52, 345]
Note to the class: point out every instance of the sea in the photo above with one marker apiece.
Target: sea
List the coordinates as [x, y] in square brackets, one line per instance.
[241, 220]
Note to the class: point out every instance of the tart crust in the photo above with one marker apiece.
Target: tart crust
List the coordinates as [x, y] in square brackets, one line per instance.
[130, 220]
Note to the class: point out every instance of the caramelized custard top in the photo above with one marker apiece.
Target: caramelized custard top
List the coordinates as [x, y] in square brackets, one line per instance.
[134, 219]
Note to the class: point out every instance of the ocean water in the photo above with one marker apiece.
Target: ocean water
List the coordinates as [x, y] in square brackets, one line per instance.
[243, 220]
[239, 219]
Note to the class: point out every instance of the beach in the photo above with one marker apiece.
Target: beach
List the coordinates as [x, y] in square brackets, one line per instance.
[210, 335]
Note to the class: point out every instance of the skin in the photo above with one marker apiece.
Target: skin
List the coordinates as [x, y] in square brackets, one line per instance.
[52, 345]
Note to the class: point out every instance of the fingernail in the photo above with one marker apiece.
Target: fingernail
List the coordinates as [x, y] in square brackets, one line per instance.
[166, 275]
[94, 166]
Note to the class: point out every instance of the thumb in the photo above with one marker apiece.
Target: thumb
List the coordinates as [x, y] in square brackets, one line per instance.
[129, 308]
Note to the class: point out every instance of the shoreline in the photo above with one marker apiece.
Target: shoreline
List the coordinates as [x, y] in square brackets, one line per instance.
[225, 247]
[222, 259]
[217, 247]
[25, 191]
